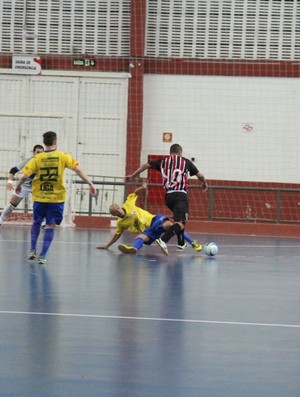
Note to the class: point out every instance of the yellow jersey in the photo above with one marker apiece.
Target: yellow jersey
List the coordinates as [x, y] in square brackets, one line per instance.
[48, 185]
[136, 219]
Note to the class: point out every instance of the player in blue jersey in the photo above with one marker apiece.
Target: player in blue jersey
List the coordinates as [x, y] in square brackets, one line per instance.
[174, 170]
[26, 188]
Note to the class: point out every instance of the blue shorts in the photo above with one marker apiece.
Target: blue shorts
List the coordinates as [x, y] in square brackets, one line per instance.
[156, 229]
[52, 212]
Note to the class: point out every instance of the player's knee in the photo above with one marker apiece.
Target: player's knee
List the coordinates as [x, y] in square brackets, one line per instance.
[180, 223]
[176, 228]
[167, 224]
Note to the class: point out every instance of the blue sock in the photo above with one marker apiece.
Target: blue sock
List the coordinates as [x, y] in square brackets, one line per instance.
[35, 231]
[138, 243]
[188, 238]
[48, 237]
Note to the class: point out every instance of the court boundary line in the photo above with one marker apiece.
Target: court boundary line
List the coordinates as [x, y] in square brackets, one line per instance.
[178, 320]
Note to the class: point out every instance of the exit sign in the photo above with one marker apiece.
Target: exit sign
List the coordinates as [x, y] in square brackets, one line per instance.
[84, 62]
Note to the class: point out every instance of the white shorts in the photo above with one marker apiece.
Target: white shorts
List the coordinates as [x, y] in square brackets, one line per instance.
[24, 192]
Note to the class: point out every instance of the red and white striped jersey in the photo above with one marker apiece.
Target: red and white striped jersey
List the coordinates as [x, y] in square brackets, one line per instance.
[174, 171]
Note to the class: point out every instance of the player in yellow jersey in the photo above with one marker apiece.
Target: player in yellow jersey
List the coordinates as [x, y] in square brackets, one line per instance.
[137, 220]
[48, 190]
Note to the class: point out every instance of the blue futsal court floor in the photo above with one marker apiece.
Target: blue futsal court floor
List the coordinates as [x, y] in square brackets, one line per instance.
[100, 323]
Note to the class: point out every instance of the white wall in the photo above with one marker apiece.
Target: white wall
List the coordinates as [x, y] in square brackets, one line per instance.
[207, 116]
[89, 114]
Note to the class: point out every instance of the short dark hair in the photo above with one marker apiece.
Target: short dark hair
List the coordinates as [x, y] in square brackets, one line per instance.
[175, 148]
[37, 147]
[49, 138]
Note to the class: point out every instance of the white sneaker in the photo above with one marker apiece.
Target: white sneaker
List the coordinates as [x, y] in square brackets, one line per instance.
[181, 247]
[162, 245]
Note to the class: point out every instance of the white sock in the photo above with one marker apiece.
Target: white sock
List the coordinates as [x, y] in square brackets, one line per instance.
[6, 212]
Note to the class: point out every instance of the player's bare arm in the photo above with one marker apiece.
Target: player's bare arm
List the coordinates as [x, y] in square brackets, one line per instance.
[9, 183]
[203, 181]
[20, 182]
[85, 178]
[138, 171]
[141, 189]
[114, 238]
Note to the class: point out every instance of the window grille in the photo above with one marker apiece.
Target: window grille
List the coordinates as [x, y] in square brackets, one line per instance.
[224, 29]
[203, 29]
[98, 27]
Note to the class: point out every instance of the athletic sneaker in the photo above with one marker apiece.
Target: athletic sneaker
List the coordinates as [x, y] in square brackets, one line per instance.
[42, 260]
[31, 255]
[197, 247]
[181, 247]
[162, 245]
[127, 249]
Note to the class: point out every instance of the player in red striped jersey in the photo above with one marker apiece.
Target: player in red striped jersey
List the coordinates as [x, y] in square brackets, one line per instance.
[174, 170]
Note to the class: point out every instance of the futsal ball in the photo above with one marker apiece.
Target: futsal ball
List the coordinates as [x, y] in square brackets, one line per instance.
[211, 249]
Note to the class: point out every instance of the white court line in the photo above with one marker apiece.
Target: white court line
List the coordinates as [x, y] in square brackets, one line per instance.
[176, 320]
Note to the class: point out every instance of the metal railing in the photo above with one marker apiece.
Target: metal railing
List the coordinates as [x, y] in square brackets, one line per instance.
[228, 203]
[248, 201]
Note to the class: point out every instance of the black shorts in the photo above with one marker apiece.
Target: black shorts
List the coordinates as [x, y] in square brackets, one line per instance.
[178, 203]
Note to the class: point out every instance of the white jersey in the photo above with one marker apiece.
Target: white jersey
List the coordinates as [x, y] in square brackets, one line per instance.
[26, 186]
[28, 182]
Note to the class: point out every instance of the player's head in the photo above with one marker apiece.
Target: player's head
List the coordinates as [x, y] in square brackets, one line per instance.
[176, 149]
[37, 149]
[49, 138]
[116, 210]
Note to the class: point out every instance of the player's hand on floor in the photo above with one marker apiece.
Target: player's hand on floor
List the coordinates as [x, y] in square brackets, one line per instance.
[101, 247]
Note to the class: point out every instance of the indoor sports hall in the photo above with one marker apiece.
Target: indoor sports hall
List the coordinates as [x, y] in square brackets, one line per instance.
[120, 82]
